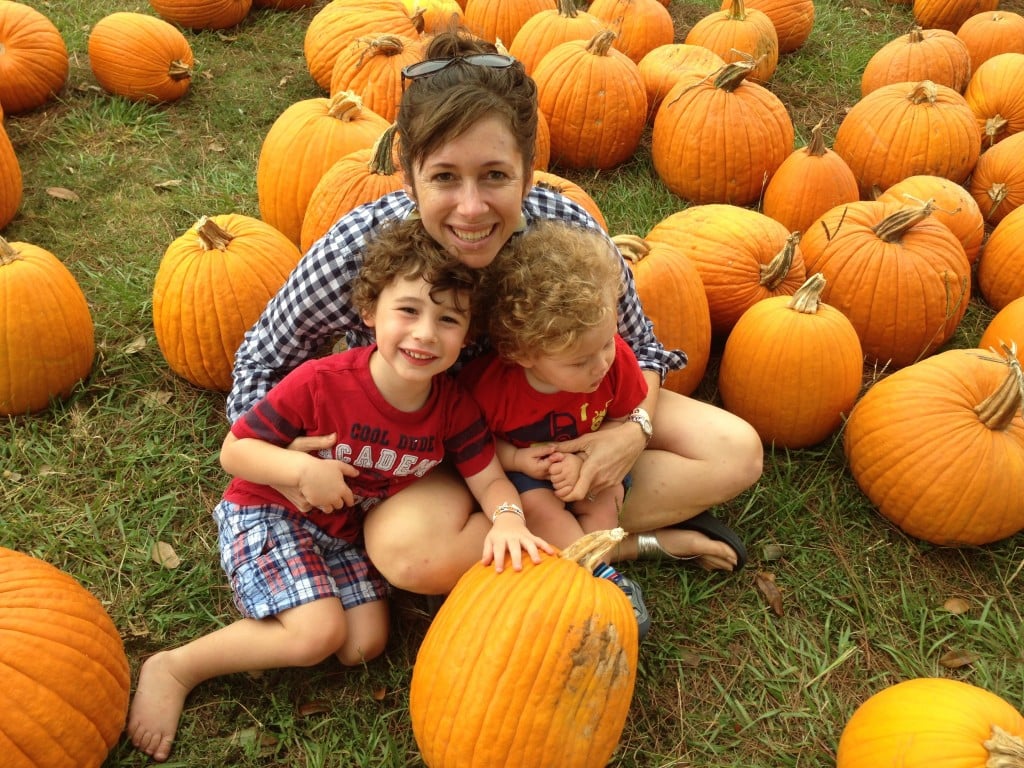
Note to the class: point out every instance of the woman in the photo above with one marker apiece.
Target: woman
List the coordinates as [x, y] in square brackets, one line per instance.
[467, 125]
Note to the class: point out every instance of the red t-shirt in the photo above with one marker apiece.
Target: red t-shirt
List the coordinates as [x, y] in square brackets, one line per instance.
[522, 416]
[389, 447]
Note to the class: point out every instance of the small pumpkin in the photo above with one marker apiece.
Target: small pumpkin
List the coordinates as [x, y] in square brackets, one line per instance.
[11, 184]
[740, 33]
[993, 94]
[371, 68]
[1001, 265]
[34, 62]
[571, 190]
[495, 20]
[949, 14]
[921, 54]
[932, 723]
[212, 285]
[670, 287]
[640, 26]
[210, 14]
[997, 184]
[140, 57]
[792, 367]
[63, 669]
[793, 19]
[571, 639]
[929, 443]
[990, 33]
[546, 29]
[664, 66]
[47, 340]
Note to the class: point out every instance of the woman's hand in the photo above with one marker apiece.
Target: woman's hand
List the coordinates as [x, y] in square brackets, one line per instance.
[509, 533]
[607, 454]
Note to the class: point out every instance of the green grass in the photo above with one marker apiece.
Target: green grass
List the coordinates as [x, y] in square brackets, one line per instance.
[130, 459]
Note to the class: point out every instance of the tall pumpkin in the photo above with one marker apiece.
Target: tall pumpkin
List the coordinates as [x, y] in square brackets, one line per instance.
[904, 129]
[993, 94]
[1007, 327]
[34, 61]
[212, 285]
[932, 723]
[743, 256]
[140, 57]
[64, 676]
[740, 33]
[527, 668]
[792, 367]
[670, 287]
[1001, 266]
[11, 185]
[202, 14]
[304, 141]
[997, 184]
[901, 277]
[47, 341]
[937, 447]
[594, 101]
[921, 54]
[717, 140]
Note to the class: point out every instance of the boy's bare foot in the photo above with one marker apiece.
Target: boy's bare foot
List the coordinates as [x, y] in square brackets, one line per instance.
[156, 708]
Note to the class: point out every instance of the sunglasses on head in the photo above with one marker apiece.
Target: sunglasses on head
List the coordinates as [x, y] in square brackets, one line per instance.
[433, 66]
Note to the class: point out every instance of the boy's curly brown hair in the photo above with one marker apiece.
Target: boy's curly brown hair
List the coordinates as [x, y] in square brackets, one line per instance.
[549, 287]
[403, 249]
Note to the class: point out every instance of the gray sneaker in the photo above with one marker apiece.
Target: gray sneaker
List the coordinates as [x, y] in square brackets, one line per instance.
[636, 599]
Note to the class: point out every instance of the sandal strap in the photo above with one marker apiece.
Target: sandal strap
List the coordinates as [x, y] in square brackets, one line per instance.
[649, 548]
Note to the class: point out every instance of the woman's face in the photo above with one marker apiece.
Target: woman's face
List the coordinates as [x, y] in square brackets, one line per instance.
[470, 192]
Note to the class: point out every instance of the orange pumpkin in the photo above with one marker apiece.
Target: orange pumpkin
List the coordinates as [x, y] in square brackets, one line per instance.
[371, 68]
[212, 285]
[739, 33]
[932, 723]
[901, 277]
[1007, 327]
[434, 15]
[1001, 266]
[670, 287]
[997, 184]
[63, 669]
[990, 33]
[993, 94]
[792, 367]
[546, 29]
[743, 256]
[34, 61]
[718, 140]
[905, 129]
[949, 14]
[571, 190]
[640, 26]
[793, 19]
[809, 182]
[954, 207]
[282, 5]
[495, 20]
[359, 177]
[921, 54]
[11, 185]
[140, 57]
[207, 14]
[664, 66]
[47, 342]
[594, 101]
[304, 141]
[928, 443]
[567, 702]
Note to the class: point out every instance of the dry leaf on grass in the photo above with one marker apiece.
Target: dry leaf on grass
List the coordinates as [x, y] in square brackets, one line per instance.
[765, 583]
[61, 193]
[956, 659]
[957, 605]
[164, 554]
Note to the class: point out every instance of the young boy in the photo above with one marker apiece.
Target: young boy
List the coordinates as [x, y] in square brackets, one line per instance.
[559, 369]
[300, 576]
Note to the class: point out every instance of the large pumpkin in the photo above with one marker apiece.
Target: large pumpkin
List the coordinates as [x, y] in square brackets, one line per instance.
[905, 129]
[739, 33]
[1006, 327]
[938, 447]
[921, 54]
[527, 668]
[11, 184]
[991, 33]
[793, 19]
[140, 57]
[371, 67]
[932, 723]
[792, 367]
[640, 26]
[63, 671]
[548, 28]
[208, 14]
[664, 66]
[34, 61]
[670, 287]
[212, 285]
[997, 184]
[501, 20]
[949, 14]
[47, 342]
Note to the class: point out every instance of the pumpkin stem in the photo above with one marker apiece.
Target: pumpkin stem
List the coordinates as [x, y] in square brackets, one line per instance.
[1004, 750]
[632, 247]
[993, 127]
[776, 270]
[893, 227]
[567, 8]
[590, 549]
[382, 45]
[915, 36]
[999, 409]
[807, 298]
[346, 106]
[732, 75]
[924, 91]
[601, 43]
[996, 193]
[738, 10]
[7, 253]
[383, 161]
[816, 146]
[179, 70]
[211, 235]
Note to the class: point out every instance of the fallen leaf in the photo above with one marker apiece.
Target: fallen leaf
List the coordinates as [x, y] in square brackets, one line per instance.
[13, 476]
[160, 397]
[379, 694]
[313, 708]
[216, 146]
[135, 345]
[168, 184]
[771, 552]
[956, 659]
[62, 193]
[690, 659]
[957, 605]
[765, 583]
[164, 554]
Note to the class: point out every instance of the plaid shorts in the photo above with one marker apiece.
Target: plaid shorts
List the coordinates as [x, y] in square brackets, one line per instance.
[277, 560]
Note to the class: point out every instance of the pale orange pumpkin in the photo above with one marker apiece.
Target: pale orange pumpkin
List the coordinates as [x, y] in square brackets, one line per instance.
[47, 341]
[740, 33]
[927, 443]
[212, 285]
[1007, 327]
[34, 62]
[1001, 266]
[792, 367]
[990, 33]
[921, 54]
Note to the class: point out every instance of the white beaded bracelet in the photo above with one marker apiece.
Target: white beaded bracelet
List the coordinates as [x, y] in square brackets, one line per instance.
[507, 507]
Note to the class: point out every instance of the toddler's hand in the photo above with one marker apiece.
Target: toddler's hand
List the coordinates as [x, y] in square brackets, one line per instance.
[510, 534]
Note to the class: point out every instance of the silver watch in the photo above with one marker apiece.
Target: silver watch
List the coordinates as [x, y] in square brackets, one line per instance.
[639, 416]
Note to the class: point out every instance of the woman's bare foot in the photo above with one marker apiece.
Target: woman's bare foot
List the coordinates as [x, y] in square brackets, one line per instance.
[709, 553]
[156, 708]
